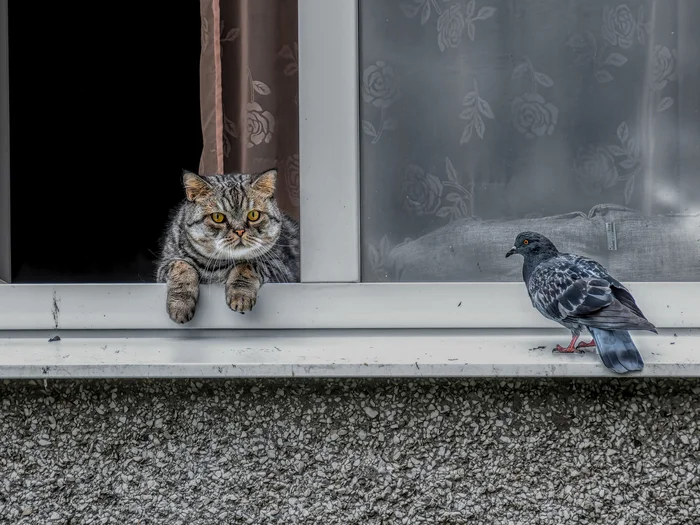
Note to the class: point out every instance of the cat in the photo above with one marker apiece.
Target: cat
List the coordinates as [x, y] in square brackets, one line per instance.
[229, 230]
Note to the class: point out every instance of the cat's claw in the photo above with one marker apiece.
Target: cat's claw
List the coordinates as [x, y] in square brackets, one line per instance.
[181, 311]
[241, 301]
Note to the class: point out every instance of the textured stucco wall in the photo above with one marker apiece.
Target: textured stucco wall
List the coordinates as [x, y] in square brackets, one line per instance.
[609, 451]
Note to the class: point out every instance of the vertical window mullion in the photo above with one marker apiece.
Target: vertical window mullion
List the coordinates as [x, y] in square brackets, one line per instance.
[329, 141]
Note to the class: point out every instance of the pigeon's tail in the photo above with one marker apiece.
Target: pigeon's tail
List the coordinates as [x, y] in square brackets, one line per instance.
[617, 350]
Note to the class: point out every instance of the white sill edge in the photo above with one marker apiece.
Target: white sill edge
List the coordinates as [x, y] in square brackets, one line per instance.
[316, 306]
[328, 353]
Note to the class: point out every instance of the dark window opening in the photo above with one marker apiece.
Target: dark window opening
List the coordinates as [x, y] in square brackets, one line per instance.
[104, 114]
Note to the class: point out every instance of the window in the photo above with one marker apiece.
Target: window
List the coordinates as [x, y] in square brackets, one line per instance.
[396, 193]
[483, 118]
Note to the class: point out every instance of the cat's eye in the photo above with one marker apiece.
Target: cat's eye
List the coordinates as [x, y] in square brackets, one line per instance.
[253, 215]
[218, 217]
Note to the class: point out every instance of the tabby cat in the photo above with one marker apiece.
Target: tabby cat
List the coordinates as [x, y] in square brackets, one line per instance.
[229, 230]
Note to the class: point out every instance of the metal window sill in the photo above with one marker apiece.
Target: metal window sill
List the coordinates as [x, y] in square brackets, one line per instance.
[327, 353]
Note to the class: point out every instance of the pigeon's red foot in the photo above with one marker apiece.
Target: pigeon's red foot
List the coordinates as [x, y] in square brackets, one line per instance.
[565, 350]
[586, 345]
[569, 349]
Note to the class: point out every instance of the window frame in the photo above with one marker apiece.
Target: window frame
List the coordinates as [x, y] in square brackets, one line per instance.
[331, 295]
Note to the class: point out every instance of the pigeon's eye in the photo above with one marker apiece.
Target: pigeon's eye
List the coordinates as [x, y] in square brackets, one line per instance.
[526, 241]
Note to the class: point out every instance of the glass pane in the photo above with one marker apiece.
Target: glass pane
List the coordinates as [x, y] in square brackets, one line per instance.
[484, 118]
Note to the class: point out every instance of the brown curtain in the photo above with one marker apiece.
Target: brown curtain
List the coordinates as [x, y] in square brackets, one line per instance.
[249, 91]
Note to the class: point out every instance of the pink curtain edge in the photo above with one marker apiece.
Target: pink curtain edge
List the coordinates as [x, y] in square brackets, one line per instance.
[218, 88]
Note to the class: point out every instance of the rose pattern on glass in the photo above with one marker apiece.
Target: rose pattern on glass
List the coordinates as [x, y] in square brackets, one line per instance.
[663, 67]
[380, 89]
[587, 51]
[663, 70]
[452, 20]
[475, 107]
[595, 169]
[422, 191]
[618, 30]
[378, 258]
[631, 156]
[532, 115]
[411, 8]
[379, 85]
[643, 26]
[599, 167]
[290, 168]
[459, 201]
[483, 14]
[450, 26]
[427, 194]
[525, 69]
[619, 26]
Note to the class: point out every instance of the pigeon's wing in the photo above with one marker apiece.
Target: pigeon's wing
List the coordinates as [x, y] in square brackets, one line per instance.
[591, 268]
[569, 300]
[573, 290]
[584, 297]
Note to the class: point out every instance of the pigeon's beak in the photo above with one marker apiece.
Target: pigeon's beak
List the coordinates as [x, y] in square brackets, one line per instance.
[510, 252]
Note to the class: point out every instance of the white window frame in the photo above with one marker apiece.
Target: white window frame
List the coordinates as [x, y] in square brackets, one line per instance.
[331, 295]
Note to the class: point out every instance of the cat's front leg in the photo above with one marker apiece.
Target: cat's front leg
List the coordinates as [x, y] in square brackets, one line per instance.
[183, 292]
[242, 288]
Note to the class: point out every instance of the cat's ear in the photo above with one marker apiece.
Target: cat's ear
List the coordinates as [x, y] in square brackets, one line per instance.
[195, 186]
[265, 182]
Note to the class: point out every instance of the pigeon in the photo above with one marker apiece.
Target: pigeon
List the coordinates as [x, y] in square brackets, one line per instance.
[579, 294]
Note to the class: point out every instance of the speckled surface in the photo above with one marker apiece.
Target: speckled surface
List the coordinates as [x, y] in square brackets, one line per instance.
[365, 452]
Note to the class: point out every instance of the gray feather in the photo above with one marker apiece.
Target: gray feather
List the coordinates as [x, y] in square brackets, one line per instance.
[576, 291]
[617, 350]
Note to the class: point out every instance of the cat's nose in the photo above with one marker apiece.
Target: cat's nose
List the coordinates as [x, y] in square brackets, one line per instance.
[239, 232]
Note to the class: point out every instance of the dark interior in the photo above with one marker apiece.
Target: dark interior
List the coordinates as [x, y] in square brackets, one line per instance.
[104, 103]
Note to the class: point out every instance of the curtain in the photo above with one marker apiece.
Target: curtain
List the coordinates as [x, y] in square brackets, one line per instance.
[249, 91]
[518, 109]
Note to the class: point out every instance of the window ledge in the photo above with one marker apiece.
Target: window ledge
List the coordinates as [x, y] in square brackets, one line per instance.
[327, 353]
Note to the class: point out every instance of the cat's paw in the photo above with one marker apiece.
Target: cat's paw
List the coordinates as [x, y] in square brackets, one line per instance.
[180, 309]
[241, 300]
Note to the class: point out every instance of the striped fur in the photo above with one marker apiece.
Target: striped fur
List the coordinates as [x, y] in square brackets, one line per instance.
[268, 250]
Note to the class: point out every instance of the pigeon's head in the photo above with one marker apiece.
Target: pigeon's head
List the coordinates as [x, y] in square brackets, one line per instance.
[531, 243]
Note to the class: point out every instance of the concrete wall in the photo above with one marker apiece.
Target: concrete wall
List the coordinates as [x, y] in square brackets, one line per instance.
[365, 452]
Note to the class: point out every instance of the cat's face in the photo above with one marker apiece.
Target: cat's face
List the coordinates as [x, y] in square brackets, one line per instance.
[232, 216]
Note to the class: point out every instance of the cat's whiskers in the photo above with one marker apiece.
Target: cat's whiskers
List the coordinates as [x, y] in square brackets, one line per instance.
[210, 260]
[204, 273]
[263, 253]
[273, 258]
